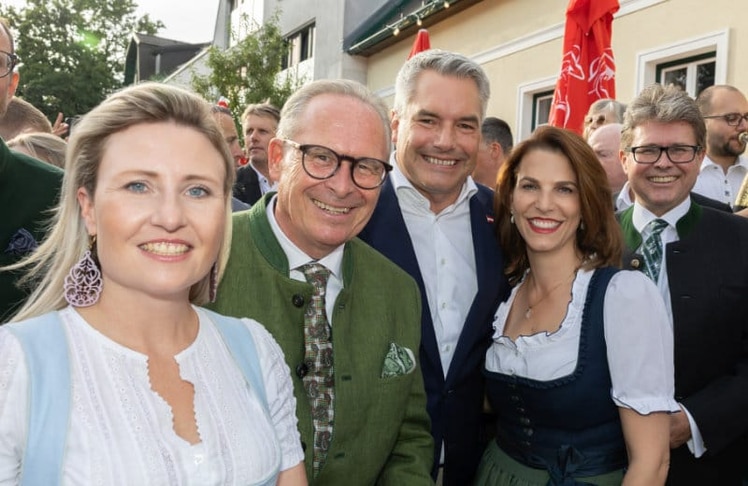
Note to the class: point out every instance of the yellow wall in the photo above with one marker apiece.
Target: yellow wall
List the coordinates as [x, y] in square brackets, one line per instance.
[494, 27]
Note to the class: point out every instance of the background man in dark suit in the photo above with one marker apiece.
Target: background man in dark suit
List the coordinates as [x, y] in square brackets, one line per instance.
[435, 223]
[259, 123]
[29, 189]
[703, 276]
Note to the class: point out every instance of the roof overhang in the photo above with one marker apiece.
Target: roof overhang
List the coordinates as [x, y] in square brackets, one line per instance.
[393, 25]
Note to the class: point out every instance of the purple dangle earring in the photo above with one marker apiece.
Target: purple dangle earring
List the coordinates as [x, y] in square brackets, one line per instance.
[213, 290]
[83, 284]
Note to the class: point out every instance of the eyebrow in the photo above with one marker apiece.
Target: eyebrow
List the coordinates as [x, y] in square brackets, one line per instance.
[559, 183]
[155, 175]
[469, 118]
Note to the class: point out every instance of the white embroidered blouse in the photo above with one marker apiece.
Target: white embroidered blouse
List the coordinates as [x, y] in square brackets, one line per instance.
[637, 332]
[121, 431]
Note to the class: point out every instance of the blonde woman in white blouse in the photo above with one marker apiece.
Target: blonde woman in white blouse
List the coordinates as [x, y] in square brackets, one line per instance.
[156, 390]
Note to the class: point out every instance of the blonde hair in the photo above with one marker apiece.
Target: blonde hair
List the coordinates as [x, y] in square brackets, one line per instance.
[68, 238]
[43, 146]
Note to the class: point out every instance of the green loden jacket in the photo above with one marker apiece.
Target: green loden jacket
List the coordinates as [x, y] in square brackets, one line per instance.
[381, 432]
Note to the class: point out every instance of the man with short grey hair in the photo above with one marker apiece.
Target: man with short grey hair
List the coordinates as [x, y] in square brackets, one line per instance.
[346, 318]
[434, 222]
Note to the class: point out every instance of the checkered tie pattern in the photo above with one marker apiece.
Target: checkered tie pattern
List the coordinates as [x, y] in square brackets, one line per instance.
[319, 382]
[652, 249]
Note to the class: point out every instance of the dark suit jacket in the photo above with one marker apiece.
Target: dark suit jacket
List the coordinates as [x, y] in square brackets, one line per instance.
[247, 185]
[708, 277]
[455, 402]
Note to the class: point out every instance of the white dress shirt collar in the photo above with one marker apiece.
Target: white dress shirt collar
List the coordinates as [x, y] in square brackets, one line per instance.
[296, 257]
[407, 194]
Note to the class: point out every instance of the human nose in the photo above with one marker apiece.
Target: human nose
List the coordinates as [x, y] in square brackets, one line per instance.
[544, 201]
[169, 212]
[664, 160]
[341, 181]
[236, 149]
[445, 137]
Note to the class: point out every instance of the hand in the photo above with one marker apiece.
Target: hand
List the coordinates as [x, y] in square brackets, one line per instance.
[680, 429]
[60, 128]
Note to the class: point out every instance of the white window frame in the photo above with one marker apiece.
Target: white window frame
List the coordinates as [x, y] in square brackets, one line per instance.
[717, 42]
[691, 65]
[526, 92]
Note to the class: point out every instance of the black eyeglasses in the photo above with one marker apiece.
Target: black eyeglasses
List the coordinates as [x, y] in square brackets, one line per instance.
[8, 61]
[322, 163]
[732, 119]
[677, 154]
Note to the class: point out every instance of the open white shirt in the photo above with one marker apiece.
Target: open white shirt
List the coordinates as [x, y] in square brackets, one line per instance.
[443, 245]
[121, 431]
[714, 183]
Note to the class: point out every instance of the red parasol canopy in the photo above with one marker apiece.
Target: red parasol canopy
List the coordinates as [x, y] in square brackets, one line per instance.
[421, 43]
[588, 68]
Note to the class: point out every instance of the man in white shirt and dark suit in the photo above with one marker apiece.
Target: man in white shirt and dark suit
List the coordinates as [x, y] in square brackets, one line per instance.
[697, 257]
[437, 224]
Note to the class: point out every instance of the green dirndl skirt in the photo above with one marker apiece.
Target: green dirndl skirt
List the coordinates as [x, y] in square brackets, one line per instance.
[498, 469]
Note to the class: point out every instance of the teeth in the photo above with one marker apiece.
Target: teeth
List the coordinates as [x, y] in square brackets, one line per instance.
[331, 209]
[165, 249]
[662, 178]
[435, 161]
[544, 223]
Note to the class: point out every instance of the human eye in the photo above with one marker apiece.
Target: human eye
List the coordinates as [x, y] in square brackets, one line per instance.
[566, 189]
[733, 118]
[136, 186]
[198, 192]
[647, 151]
[321, 156]
[467, 127]
[528, 186]
[369, 166]
[679, 150]
[426, 120]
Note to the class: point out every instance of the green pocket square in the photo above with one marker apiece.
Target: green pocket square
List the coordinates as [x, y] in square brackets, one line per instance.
[399, 361]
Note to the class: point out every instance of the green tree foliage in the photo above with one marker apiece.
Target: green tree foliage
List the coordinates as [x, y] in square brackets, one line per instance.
[73, 51]
[248, 72]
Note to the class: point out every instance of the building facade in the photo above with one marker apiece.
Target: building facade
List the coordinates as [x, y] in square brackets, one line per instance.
[518, 42]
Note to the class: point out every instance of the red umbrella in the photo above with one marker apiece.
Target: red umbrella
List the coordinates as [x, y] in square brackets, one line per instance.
[588, 68]
[421, 43]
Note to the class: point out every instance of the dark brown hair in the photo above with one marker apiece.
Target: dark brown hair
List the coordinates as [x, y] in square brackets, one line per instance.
[598, 238]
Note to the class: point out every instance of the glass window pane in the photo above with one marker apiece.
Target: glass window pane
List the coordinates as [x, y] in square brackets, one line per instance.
[542, 110]
[704, 76]
[677, 77]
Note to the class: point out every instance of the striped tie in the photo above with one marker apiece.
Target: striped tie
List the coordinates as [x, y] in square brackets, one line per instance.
[652, 249]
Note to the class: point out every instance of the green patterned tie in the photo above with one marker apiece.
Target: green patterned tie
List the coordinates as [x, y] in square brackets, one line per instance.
[319, 382]
[652, 249]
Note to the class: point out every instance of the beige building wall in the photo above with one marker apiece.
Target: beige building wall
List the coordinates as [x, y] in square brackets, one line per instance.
[519, 43]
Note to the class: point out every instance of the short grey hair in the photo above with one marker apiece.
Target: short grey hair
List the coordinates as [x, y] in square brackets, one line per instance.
[294, 108]
[442, 62]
